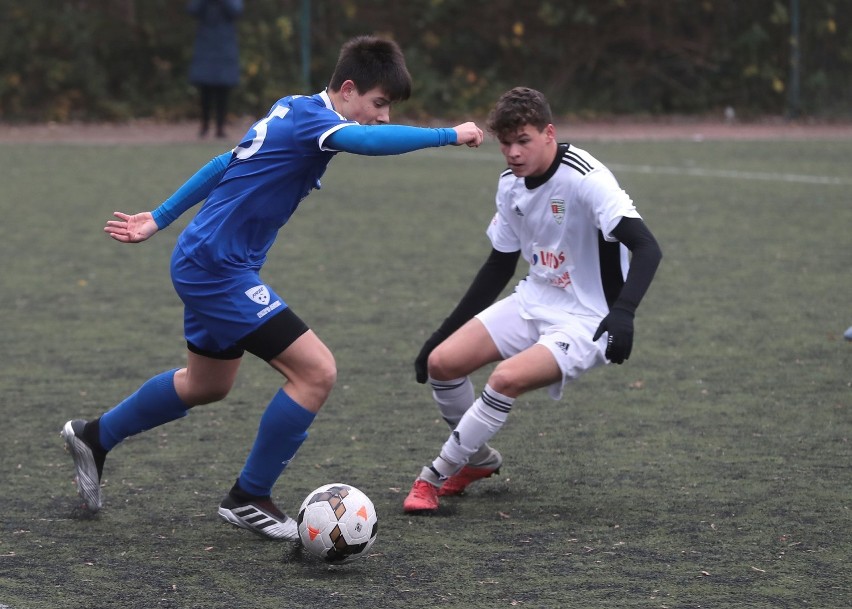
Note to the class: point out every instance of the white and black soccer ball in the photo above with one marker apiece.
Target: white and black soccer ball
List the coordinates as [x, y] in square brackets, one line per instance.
[337, 522]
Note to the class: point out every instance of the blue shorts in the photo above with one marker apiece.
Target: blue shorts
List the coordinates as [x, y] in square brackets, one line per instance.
[220, 310]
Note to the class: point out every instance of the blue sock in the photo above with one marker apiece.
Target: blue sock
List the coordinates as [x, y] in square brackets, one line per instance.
[154, 403]
[283, 428]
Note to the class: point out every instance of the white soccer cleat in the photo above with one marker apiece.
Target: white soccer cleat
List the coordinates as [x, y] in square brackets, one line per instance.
[88, 472]
[260, 516]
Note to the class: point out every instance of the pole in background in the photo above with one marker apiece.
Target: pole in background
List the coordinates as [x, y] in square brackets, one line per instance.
[305, 30]
[793, 102]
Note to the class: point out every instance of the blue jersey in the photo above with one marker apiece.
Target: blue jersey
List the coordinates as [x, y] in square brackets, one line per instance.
[276, 165]
[250, 194]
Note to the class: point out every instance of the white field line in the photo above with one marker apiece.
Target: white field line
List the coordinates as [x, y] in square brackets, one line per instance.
[731, 174]
[696, 172]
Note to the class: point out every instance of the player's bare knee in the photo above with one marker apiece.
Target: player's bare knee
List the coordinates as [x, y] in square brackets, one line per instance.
[321, 376]
[197, 391]
[504, 381]
[440, 366]
[198, 396]
[326, 376]
[216, 394]
[312, 389]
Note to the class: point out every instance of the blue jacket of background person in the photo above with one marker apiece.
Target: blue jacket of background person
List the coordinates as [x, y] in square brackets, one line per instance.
[216, 56]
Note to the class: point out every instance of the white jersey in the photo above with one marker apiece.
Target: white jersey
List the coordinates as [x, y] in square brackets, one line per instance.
[562, 224]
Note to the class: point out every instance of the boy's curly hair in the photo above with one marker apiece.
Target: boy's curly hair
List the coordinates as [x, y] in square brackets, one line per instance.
[517, 108]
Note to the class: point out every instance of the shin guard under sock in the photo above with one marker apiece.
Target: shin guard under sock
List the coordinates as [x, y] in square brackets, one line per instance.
[156, 402]
[479, 424]
[453, 398]
[283, 428]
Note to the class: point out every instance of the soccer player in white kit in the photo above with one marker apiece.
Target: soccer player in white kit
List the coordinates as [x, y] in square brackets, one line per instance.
[562, 211]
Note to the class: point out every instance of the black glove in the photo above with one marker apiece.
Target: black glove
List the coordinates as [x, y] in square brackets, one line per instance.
[421, 369]
[619, 325]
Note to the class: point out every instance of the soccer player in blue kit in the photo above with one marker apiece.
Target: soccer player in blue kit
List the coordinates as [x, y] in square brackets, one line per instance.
[250, 193]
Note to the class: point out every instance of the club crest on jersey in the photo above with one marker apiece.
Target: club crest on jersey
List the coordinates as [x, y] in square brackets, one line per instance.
[557, 208]
[259, 294]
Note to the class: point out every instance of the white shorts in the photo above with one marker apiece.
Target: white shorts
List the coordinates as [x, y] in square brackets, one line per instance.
[567, 336]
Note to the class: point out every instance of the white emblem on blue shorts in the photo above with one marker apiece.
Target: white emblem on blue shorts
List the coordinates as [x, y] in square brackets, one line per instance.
[259, 294]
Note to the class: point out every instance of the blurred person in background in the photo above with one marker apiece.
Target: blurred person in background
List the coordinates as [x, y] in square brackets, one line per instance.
[215, 67]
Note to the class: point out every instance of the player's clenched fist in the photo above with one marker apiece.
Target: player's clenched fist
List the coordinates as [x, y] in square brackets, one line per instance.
[468, 133]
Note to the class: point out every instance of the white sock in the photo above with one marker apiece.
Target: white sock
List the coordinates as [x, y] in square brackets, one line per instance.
[453, 398]
[477, 426]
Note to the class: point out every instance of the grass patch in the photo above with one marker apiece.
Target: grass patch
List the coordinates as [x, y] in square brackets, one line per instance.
[711, 470]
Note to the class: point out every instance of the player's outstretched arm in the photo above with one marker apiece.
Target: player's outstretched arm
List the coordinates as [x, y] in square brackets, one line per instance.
[133, 228]
[194, 190]
[469, 134]
[383, 140]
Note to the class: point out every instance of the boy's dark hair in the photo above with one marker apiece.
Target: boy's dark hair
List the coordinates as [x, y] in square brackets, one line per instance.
[517, 108]
[372, 62]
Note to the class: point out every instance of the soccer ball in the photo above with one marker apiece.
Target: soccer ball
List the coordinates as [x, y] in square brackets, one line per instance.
[337, 522]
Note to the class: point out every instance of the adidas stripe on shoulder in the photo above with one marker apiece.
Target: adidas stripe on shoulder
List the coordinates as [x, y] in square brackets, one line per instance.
[576, 162]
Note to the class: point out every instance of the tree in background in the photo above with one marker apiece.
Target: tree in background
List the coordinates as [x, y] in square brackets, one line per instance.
[121, 59]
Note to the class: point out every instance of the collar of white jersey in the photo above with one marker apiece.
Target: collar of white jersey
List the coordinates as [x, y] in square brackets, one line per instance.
[533, 182]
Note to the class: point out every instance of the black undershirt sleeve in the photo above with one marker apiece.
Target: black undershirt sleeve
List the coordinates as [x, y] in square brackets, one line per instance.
[493, 276]
[645, 259]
